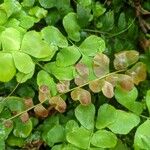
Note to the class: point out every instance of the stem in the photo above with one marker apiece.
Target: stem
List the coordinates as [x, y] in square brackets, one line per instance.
[62, 94]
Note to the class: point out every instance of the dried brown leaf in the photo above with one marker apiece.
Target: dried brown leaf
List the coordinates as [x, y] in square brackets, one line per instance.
[24, 117]
[44, 93]
[108, 89]
[82, 69]
[80, 80]
[124, 59]
[96, 85]
[63, 86]
[101, 65]
[28, 102]
[41, 111]
[58, 103]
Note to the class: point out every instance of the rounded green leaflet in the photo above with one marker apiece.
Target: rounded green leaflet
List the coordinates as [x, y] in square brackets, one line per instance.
[79, 137]
[71, 26]
[33, 45]
[142, 136]
[3, 16]
[106, 116]
[128, 99]
[22, 129]
[7, 67]
[47, 4]
[61, 73]
[54, 37]
[15, 141]
[86, 115]
[23, 62]
[91, 45]
[124, 122]
[55, 135]
[43, 78]
[11, 39]
[67, 56]
[104, 139]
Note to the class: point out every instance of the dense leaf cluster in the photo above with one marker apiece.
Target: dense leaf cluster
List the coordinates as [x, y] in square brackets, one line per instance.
[71, 75]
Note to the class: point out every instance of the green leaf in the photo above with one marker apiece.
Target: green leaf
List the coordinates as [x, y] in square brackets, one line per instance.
[15, 141]
[23, 62]
[71, 26]
[124, 122]
[128, 99]
[106, 116]
[35, 47]
[55, 135]
[118, 121]
[3, 17]
[79, 137]
[104, 139]
[28, 3]
[60, 72]
[147, 98]
[85, 3]
[71, 125]
[122, 21]
[67, 56]
[7, 67]
[22, 129]
[15, 104]
[91, 45]
[43, 78]
[53, 36]
[38, 12]
[47, 4]
[142, 136]
[86, 115]
[11, 39]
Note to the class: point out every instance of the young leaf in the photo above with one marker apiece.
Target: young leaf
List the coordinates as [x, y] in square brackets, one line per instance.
[85, 115]
[82, 95]
[23, 62]
[53, 36]
[11, 39]
[108, 89]
[7, 67]
[67, 56]
[91, 45]
[96, 85]
[101, 65]
[35, 47]
[137, 72]
[104, 139]
[71, 26]
[125, 58]
[63, 86]
[58, 103]
[128, 99]
[41, 111]
[141, 139]
[79, 137]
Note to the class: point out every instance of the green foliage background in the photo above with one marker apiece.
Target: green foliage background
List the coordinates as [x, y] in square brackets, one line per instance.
[74, 74]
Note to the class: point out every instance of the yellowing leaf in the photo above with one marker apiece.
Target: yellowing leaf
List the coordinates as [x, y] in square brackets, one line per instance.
[63, 86]
[137, 72]
[125, 58]
[82, 95]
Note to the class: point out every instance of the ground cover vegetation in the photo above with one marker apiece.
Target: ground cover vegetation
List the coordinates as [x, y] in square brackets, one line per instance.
[74, 74]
